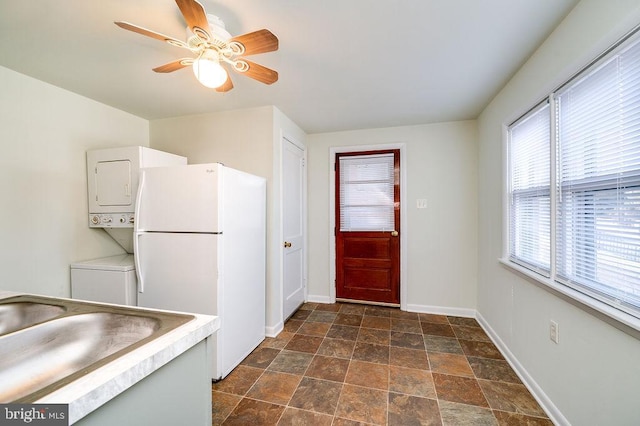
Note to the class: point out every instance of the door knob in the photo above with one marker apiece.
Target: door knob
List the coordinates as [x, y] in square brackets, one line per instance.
[287, 244]
[394, 233]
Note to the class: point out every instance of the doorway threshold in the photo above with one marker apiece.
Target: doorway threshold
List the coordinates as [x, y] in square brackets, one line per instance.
[368, 302]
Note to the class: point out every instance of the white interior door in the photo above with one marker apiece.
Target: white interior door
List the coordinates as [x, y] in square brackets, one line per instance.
[293, 202]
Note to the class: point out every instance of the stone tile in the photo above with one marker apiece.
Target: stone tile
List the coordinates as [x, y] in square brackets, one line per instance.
[368, 374]
[383, 323]
[470, 333]
[351, 308]
[405, 315]
[222, 404]
[336, 348]
[278, 342]
[301, 314]
[410, 358]
[407, 326]
[407, 340]
[511, 397]
[274, 387]
[363, 405]
[343, 332]
[464, 390]
[454, 414]
[346, 422]
[296, 417]
[409, 410]
[348, 364]
[442, 344]
[371, 353]
[433, 318]
[348, 319]
[437, 329]
[411, 381]
[322, 316]
[493, 369]
[292, 325]
[308, 306]
[301, 343]
[480, 349]
[516, 419]
[328, 307]
[467, 322]
[239, 381]
[454, 364]
[252, 412]
[314, 328]
[291, 362]
[374, 336]
[378, 311]
[328, 368]
[261, 357]
[320, 396]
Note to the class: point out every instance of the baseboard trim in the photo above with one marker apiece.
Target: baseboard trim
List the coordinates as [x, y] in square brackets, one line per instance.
[545, 402]
[319, 299]
[442, 310]
[273, 331]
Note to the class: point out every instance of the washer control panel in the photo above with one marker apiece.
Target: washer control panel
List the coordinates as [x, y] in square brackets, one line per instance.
[111, 220]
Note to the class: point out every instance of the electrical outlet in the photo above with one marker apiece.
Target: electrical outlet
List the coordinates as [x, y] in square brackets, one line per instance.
[421, 203]
[554, 331]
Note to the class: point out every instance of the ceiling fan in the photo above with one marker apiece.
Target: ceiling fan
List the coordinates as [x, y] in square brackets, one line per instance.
[213, 45]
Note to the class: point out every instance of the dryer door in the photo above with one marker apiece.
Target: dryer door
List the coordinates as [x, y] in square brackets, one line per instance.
[113, 183]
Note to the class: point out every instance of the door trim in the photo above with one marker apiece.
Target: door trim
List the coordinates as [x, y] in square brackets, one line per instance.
[403, 214]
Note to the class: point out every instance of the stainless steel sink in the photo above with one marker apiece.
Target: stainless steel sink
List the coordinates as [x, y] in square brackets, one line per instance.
[17, 315]
[67, 340]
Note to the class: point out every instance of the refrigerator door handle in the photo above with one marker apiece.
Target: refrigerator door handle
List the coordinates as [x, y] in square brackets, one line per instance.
[136, 235]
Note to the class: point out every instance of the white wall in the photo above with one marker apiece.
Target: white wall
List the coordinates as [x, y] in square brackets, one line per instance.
[593, 375]
[441, 254]
[247, 140]
[45, 132]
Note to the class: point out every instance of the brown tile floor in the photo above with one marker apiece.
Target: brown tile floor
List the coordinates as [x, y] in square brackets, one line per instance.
[347, 364]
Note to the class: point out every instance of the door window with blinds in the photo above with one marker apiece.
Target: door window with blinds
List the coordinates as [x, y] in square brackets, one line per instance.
[367, 193]
[594, 229]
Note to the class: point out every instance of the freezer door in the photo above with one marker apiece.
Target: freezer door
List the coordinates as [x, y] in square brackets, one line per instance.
[178, 199]
[178, 272]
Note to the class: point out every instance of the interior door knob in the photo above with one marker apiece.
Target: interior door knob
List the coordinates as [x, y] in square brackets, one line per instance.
[287, 244]
[394, 233]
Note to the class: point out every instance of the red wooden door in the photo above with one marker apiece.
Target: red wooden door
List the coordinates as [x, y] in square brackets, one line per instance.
[368, 226]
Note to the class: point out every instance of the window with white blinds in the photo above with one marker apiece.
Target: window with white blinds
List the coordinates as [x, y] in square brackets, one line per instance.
[598, 218]
[367, 192]
[530, 196]
[582, 153]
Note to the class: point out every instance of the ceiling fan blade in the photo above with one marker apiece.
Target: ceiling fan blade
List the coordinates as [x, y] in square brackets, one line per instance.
[258, 72]
[228, 85]
[174, 66]
[140, 30]
[196, 17]
[260, 41]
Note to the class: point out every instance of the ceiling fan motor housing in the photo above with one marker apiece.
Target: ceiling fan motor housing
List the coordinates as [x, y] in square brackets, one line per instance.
[217, 31]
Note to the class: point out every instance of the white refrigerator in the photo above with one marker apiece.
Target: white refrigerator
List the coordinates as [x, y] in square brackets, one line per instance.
[199, 246]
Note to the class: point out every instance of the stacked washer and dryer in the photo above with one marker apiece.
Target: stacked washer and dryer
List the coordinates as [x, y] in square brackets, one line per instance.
[112, 183]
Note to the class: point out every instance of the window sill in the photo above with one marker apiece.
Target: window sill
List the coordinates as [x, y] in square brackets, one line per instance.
[615, 317]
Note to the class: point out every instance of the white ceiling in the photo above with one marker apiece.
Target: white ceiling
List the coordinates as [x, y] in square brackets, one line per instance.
[343, 64]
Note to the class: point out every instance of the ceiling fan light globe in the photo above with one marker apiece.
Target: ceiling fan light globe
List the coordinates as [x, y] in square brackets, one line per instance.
[209, 73]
